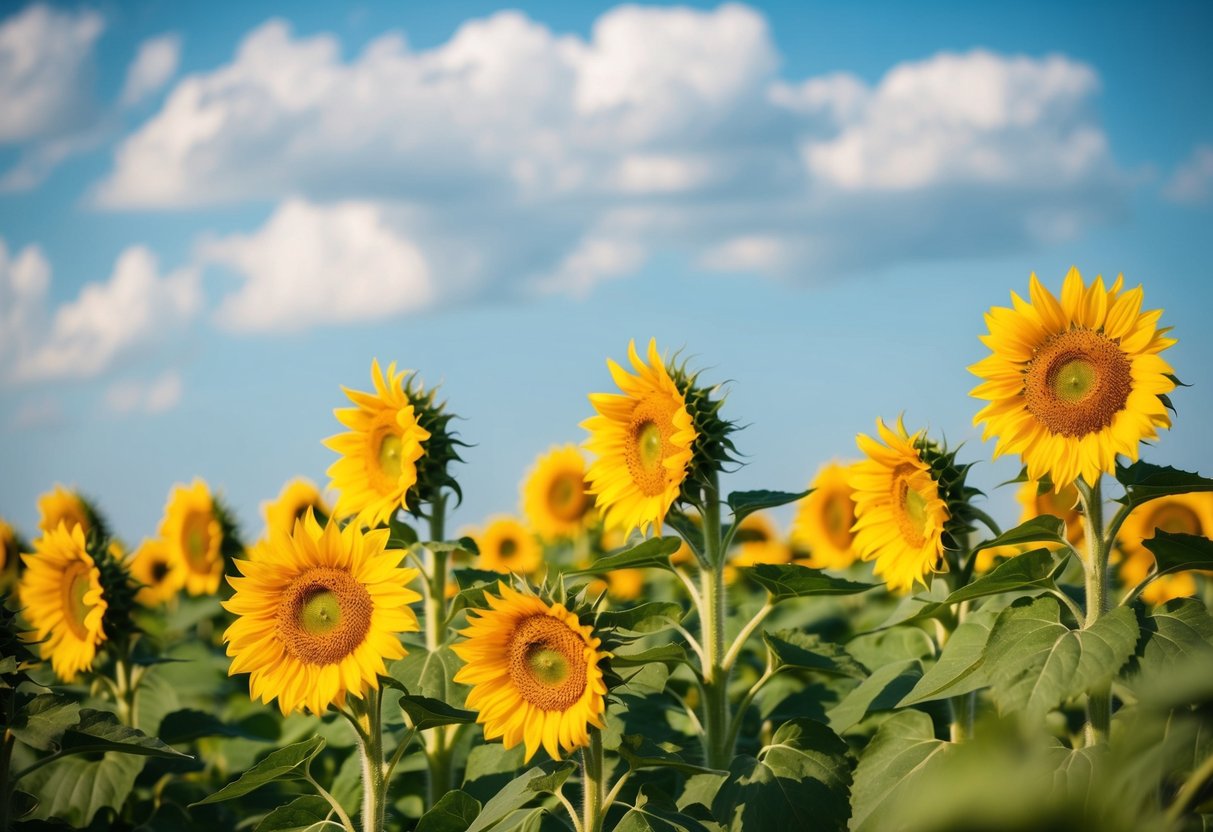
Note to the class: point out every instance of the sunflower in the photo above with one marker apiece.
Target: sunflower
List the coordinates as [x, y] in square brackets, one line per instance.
[508, 546]
[317, 620]
[63, 600]
[62, 505]
[757, 541]
[824, 520]
[900, 515]
[296, 497]
[160, 574]
[534, 673]
[1073, 383]
[8, 545]
[1061, 503]
[554, 497]
[1179, 513]
[193, 535]
[642, 441]
[379, 453]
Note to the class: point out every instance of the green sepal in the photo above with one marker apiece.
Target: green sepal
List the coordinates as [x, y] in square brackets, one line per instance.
[441, 449]
[713, 448]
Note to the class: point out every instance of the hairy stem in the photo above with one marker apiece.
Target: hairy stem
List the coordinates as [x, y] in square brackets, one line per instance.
[592, 784]
[1099, 702]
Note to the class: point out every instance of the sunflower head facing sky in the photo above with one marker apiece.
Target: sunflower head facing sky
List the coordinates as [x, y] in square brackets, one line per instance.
[554, 494]
[900, 509]
[63, 600]
[292, 503]
[160, 575]
[535, 673]
[193, 532]
[643, 441]
[1072, 382]
[64, 505]
[318, 617]
[824, 519]
[507, 545]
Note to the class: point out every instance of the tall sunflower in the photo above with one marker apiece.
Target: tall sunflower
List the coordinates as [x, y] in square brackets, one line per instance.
[160, 574]
[296, 497]
[63, 600]
[534, 671]
[824, 520]
[62, 505]
[319, 617]
[379, 453]
[554, 496]
[1073, 382]
[1177, 514]
[900, 514]
[192, 532]
[642, 440]
[508, 546]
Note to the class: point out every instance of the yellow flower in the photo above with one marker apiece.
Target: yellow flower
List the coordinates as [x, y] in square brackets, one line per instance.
[296, 497]
[641, 440]
[824, 520]
[554, 496]
[60, 505]
[1177, 514]
[899, 513]
[319, 617]
[63, 601]
[534, 673]
[757, 541]
[161, 574]
[1073, 383]
[379, 453]
[508, 546]
[193, 535]
[8, 544]
[1061, 503]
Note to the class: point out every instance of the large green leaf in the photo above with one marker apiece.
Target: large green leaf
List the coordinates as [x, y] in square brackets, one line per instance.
[1143, 482]
[639, 751]
[957, 670]
[655, 813]
[425, 712]
[521, 790]
[76, 788]
[800, 781]
[888, 685]
[430, 674]
[455, 811]
[284, 764]
[100, 731]
[896, 757]
[1031, 570]
[653, 553]
[1043, 529]
[743, 503]
[1180, 552]
[789, 580]
[296, 816]
[1174, 635]
[664, 653]
[808, 651]
[643, 619]
[43, 720]
[1034, 662]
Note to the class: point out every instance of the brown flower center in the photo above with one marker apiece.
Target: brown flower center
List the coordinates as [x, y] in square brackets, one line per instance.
[567, 498]
[1077, 382]
[1175, 518]
[323, 616]
[838, 516]
[159, 571]
[196, 539]
[547, 662]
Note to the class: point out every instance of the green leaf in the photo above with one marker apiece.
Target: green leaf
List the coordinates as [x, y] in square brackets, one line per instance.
[789, 580]
[284, 764]
[521, 790]
[881, 691]
[807, 651]
[1179, 552]
[454, 812]
[665, 653]
[431, 674]
[463, 544]
[747, 502]
[297, 815]
[189, 724]
[1043, 529]
[1034, 662]
[957, 669]
[42, 722]
[643, 619]
[800, 781]
[655, 814]
[400, 534]
[891, 764]
[425, 712]
[1031, 570]
[468, 578]
[1144, 482]
[653, 553]
[74, 789]
[1174, 635]
[638, 751]
[100, 731]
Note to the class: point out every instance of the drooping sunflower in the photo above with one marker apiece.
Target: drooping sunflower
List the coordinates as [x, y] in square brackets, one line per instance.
[554, 496]
[318, 618]
[161, 575]
[1177, 514]
[193, 534]
[1073, 382]
[379, 453]
[62, 505]
[63, 600]
[534, 671]
[900, 514]
[642, 441]
[296, 497]
[508, 546]
[824, 520]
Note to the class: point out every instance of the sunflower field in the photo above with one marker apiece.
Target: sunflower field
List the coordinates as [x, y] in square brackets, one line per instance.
[640, 648]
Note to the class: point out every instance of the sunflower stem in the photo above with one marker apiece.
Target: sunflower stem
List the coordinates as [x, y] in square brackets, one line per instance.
[1099, 702]
[718, 749]
[6, 784]
[437, 754]
[374, 785]
[593, 784]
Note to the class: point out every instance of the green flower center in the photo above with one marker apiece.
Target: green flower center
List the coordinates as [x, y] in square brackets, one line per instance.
[76, 585]
[320, 613]
[648, 445]
[547, 665]
[1074, 380]
[196, 540]
[390, 456]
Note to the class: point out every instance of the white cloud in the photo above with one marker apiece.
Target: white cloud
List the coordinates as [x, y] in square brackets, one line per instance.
[312, 264]
[105, 322]
[158, 395]
[45, 60]
[154, 66]
[1192, 181]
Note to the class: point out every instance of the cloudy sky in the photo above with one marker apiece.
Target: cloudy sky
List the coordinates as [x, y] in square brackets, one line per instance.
[214, 215]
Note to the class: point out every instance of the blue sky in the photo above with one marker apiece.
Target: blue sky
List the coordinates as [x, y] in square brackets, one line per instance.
[213, 216]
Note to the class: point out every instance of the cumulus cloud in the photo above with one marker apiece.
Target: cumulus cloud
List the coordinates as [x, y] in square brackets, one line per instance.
[158, 395]
[154, 66]
[106, 321]
[313, 264]
[1192, 181]
[527, 160]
